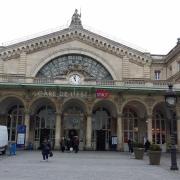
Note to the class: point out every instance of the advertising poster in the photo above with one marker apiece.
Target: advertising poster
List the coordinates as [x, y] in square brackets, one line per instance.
[21, 131]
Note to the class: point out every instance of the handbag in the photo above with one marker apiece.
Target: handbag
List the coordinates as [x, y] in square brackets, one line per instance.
[50, 154]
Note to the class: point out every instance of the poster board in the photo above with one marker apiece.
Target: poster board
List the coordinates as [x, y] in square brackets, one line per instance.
[114, 140]
[21, 131]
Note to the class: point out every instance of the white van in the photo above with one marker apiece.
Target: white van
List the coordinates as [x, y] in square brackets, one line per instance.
[3, 139]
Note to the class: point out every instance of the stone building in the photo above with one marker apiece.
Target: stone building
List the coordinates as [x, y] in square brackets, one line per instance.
[76, 82]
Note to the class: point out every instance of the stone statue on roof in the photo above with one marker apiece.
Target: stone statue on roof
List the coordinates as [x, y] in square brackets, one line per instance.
[76, 19]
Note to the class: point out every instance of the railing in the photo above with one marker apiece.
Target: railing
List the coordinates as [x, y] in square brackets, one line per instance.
[161, 83]
[134, 82]
[43, 80]
[12, 78]
[105, 82]
[138, 83]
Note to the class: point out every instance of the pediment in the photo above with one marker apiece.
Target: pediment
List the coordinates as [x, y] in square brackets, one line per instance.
[71, 34]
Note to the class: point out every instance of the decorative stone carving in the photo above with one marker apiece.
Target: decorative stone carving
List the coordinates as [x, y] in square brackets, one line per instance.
[28, 95]
[76, 20]
[149, 101]
[118, 99]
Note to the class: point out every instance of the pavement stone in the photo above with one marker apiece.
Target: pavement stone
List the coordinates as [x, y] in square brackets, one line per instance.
[85, 165]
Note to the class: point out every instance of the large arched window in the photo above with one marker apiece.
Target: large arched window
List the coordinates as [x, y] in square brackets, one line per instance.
[130, 123]
[73, 117]
[15, 118]
[44, 124]
[101, 126]
[101, 119]
[65, 64]
[158, 127]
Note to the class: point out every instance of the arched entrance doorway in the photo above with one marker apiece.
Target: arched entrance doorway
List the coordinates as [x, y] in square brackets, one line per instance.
[43, 122]
[73, 121]
[12, 111]
[134, 123]
[103, 125]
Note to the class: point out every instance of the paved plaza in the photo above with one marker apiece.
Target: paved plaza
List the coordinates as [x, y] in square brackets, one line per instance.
[28, 165]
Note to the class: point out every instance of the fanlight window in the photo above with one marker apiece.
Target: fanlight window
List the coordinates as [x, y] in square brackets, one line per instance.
[63, 65]
[44, 119]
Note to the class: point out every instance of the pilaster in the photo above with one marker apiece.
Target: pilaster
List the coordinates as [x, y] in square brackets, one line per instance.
[22, 63]
[178, 127]
[125, 67]
[147, 70]
[1, 66]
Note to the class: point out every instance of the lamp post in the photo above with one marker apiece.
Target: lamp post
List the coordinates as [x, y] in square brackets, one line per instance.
[171, 99]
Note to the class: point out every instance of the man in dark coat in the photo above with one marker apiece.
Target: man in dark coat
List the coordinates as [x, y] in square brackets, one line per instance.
[45, 149]
[76, 144]
[130, 145]
[63, 144]
[147, 145]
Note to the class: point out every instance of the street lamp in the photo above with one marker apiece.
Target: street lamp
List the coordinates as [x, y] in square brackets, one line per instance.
[171, 99]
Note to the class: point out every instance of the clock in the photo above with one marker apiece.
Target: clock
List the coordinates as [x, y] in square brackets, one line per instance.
[75, 79]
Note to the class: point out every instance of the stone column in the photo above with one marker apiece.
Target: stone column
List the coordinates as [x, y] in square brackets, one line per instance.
[149, 127]
[147, 72]
[1, 66]
[178, 133]
[88, 132]
[58, 130]
[178, 128]
[119, 133]
[27, 123]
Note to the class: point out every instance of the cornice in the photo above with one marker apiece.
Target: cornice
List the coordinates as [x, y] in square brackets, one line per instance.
[173, 53]
[175, 77]
[70, 34]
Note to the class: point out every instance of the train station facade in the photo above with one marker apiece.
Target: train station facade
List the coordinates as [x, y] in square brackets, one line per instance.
[74, 82]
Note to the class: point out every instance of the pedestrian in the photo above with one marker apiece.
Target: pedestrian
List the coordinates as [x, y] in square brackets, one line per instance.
[130, 145]
[147, 145]
[62, 144]
[50, 149]
[67, 144]
[45, 149]
[76, 144]
[71, 144]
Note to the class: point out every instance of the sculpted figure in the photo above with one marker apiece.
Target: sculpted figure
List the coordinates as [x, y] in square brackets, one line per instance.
[76, 19]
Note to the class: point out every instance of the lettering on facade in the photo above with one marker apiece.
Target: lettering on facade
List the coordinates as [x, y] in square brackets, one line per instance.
[62, 93]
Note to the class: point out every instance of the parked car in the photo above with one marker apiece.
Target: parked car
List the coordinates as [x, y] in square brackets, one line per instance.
[3, 139]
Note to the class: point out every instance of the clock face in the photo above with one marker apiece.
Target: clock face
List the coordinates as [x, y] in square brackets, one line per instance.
[75, 79]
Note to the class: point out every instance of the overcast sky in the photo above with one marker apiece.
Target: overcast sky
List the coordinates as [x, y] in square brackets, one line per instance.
[150, 25]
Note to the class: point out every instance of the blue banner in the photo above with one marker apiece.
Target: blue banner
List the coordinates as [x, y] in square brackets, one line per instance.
[21, 129]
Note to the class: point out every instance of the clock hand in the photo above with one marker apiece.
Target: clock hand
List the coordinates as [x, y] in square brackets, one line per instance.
[75, 78]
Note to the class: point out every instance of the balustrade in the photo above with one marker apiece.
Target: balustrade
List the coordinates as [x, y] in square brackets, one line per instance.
[138, 83]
